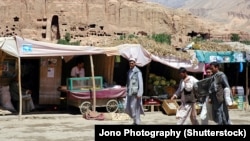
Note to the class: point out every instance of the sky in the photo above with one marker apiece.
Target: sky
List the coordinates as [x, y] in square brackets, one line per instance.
[170, 3]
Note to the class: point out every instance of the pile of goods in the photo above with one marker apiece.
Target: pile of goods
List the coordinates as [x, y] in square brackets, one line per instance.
[159, 84]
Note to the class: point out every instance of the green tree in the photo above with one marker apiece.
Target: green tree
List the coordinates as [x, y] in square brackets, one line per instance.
[76, 43]
[235, 37]
[122, 37]
[66, 40]
[67, 37]
[132, 36]
[162, 38]
[62, 41]
[245, 42]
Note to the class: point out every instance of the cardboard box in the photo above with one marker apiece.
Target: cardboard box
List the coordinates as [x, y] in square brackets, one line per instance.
[170, 106]
[233, 106]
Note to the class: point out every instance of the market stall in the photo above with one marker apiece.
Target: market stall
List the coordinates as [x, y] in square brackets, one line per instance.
[237, 56]
[20, 48]
[23, 48]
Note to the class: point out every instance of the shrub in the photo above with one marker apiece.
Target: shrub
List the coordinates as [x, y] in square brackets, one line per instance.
[245, 42]
[235, 37]
[162, 38]
[66, 40]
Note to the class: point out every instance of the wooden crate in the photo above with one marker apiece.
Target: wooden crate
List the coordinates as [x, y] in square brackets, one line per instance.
[234, 106]
[170, 106]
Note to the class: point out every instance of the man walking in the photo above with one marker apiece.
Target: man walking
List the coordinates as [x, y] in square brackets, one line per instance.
[216, 96]
[134, 107]
[188, 101]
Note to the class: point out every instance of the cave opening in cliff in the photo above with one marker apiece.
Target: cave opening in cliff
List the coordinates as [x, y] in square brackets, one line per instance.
[201, 35]
[16, 19]
[92, 25]
[192, 34]
[55, 32]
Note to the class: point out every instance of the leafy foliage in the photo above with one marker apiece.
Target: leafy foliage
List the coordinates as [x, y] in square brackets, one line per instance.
[217, 41]
[245, 42]
[132, 36]
[162, 38]
[66, 40]
[235, 37]
[62, 41]
[67, 37]
[122, 37]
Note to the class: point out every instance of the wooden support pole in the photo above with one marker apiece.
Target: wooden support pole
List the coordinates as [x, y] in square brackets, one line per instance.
[247, 89]
[93, 80]
[20, 89]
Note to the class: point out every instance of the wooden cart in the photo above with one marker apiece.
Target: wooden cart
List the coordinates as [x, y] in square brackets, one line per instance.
[111, 98]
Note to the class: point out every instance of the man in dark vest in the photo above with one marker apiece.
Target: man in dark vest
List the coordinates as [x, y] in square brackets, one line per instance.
[134, 107]
[216, 95]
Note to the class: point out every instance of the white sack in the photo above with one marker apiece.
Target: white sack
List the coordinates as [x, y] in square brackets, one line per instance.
[228, 97]
[6, 98]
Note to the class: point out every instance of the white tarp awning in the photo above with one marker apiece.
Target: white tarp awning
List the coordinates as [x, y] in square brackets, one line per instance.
[22, 47]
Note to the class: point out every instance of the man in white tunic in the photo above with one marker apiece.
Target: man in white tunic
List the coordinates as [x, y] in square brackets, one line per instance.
[188, 101]
[78, 70]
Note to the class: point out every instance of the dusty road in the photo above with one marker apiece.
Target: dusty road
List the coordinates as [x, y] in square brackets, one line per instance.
[72, 127]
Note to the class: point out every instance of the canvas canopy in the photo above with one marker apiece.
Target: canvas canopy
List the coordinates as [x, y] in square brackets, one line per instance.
[176, 63]
[22, 47]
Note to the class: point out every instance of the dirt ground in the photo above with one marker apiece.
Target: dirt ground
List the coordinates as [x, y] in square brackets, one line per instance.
[54, 126]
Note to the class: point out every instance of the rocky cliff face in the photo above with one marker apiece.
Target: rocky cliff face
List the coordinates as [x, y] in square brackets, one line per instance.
[90, 20]
[234, 15]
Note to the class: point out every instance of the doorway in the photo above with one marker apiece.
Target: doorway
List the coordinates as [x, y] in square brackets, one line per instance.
[30, 70]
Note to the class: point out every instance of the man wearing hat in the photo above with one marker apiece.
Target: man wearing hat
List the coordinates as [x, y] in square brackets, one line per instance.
[134, 107]
[186, 92]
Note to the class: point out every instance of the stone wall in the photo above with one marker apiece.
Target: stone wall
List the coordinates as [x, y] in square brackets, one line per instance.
[50, 20]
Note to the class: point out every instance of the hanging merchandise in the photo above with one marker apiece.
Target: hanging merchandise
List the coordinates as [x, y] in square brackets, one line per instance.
[221, 57]
[241, 67]
[117, 59]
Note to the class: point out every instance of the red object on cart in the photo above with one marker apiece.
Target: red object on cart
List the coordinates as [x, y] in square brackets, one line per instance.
[151, 102]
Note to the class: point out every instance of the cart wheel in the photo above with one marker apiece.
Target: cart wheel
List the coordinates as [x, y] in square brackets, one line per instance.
[86, 105]
[112, 105]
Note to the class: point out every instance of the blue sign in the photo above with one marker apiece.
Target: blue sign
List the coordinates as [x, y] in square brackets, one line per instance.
[27, 48]
[222, 56]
